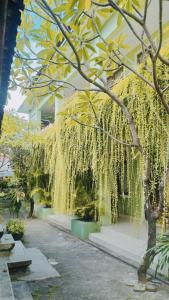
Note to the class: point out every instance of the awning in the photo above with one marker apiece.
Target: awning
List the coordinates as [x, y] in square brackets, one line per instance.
[10, 18]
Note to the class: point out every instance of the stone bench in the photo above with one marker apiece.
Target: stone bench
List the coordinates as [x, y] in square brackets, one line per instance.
[7, 243]
[6, 291]
[16, 257]
[12, 257]
[20, 266]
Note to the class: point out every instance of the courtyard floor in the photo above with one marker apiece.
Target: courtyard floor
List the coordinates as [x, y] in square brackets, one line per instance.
[86, 272]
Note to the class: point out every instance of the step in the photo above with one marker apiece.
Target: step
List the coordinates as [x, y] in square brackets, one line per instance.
[124, 247]
[40, 269]
[6, 292]
[125, 240]
[133, 230]
[17, 257]
[21, 291]
[127, 248]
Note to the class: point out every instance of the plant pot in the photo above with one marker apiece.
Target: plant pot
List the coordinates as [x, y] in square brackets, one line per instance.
[1, 231]
[1, 234]
[43, 212]
[47, 206]
[16, 236]
[82, 229]
[36, 197]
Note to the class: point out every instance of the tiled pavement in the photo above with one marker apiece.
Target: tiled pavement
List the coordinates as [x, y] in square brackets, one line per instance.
[86, 272]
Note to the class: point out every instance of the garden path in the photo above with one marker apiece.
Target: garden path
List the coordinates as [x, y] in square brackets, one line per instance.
[86, 272]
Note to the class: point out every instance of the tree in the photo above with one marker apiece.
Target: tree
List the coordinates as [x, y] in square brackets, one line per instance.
[69, 37]
[16, 144]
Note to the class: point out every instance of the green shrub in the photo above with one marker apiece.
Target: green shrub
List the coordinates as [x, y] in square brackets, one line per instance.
[161, 252]
[87, 213]
[44, 197]
[15, 226]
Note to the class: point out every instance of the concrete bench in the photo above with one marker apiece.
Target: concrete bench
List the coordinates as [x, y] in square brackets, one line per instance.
[6, 291]
[12, 290]
[20, 266]
[7, 243]
[16, 257]
[12, 257]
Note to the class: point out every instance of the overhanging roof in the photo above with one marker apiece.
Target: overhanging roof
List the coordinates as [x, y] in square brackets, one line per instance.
[10, 13]
[44, 106]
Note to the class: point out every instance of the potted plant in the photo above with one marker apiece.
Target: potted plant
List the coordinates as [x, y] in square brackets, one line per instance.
[86, 222]
[17, 197]
[42, 198]
[16, 228]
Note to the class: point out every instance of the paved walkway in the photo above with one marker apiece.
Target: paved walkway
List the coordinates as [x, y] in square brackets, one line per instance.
[86, 272]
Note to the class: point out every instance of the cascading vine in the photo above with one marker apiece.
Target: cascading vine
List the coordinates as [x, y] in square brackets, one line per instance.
[70, 148]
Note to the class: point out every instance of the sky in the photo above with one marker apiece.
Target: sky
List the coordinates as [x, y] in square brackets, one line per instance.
[15, 102]
[16, 97]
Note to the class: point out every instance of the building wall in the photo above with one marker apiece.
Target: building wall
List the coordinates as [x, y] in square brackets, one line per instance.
[5, 167]
[35, 117]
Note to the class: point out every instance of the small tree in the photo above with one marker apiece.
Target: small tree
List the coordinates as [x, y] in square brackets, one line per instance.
[16, 143]
[69, 37]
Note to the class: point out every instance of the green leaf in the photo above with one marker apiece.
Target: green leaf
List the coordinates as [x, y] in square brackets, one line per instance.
[119, 20]
[102, 46]
[58, 96]
[98, 23]
[70, 4]
[89, 46]
[87, 4]
[138, 3]
[46, 53]
[85, 54]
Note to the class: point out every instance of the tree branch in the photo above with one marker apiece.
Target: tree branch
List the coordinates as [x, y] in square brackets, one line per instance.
[160, 28]
[62, 30]
[145, 11]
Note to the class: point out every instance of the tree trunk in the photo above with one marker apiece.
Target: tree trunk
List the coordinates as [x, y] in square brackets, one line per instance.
[151, 216]
[142, 270]
[151, 241]
[31, 208]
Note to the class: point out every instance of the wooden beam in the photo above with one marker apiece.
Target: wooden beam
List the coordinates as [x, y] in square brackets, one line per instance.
[3, 17]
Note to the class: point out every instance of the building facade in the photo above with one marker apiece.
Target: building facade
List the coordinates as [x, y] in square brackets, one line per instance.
[44, 113]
